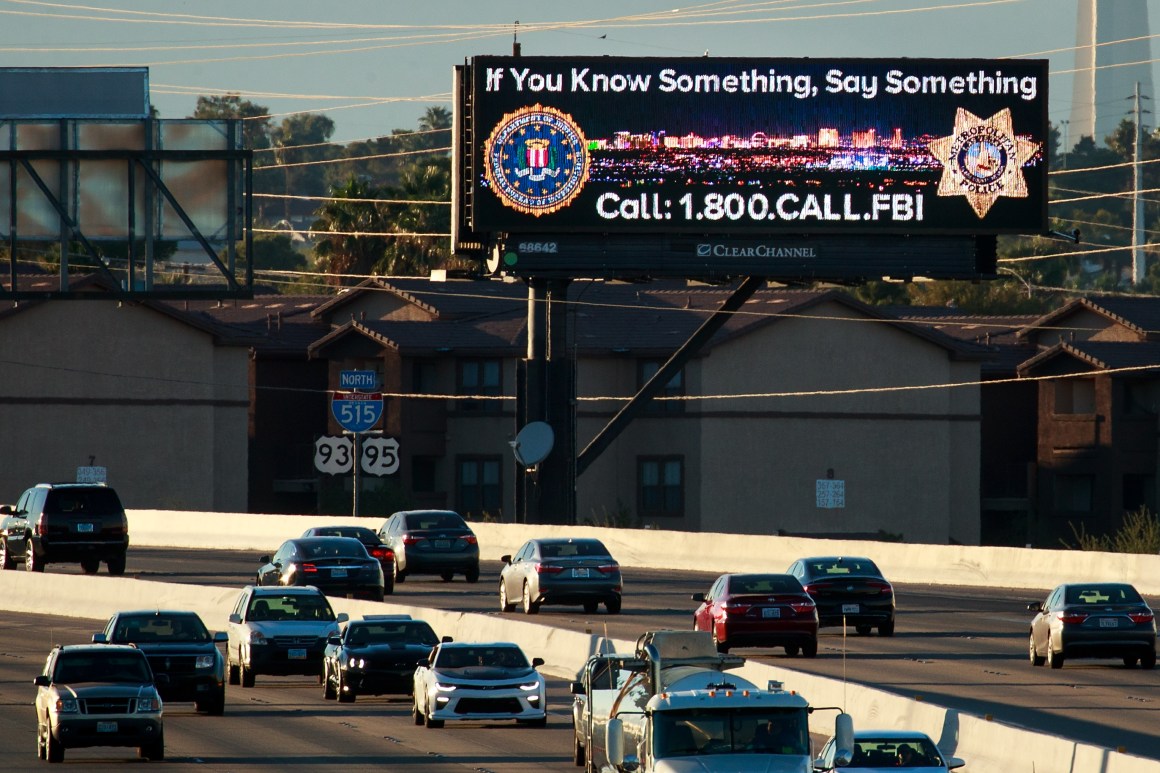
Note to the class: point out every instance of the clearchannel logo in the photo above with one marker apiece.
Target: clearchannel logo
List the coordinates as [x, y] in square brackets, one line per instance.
[719, 250]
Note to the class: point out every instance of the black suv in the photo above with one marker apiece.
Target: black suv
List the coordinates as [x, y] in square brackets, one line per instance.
[64, 522]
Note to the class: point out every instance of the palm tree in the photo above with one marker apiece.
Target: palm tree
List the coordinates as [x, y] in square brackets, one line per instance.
[340, 248]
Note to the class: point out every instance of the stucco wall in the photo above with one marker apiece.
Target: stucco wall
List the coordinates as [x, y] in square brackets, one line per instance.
[150, 398]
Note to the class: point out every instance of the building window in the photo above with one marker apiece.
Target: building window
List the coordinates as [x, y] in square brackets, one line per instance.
[480, 377]
[423, 474]
[1139, 491]
[1075, 395]
[1073, 493]
[660, 486]
[478, 484]
[423, 377]
[645, 370]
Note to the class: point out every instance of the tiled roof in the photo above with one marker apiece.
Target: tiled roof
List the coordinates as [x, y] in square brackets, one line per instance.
[1102, 355]
[998, 334]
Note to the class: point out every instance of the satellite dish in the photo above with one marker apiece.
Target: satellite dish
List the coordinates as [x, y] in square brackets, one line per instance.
[533, 443]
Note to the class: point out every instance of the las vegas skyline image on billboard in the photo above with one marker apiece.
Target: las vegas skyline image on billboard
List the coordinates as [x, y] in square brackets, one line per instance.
[730, 145]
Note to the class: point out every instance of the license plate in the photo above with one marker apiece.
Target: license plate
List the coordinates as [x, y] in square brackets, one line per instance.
[106, 727]
[85, 528]
[579, 572]
[442, 544]
[1109, 622]
[771, 612]
[849, 609]
[297, 654]
[338, 573]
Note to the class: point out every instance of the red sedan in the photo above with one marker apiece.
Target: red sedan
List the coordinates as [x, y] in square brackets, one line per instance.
[759, 610]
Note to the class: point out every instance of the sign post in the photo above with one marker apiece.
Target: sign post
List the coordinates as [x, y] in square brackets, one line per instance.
[357, 413]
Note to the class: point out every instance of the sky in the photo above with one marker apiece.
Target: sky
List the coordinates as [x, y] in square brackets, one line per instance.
[376, 65]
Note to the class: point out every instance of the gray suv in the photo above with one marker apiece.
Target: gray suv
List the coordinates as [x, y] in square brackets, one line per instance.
[62, 523]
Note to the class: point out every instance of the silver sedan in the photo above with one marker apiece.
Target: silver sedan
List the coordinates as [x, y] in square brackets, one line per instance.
[561, 571]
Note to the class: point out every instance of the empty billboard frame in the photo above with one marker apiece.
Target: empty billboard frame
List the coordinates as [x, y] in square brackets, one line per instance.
[154, 208]
[555, 151]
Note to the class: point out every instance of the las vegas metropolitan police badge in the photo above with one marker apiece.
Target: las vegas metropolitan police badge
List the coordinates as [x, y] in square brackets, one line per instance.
[983, 159]
[537, 160]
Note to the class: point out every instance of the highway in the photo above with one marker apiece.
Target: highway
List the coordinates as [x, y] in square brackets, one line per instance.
[958, 647]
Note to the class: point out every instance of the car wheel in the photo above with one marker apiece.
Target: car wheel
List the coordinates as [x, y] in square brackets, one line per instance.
[1130, 661]
[434, 724]
[542, 722]
[1054, 659]
[53, 750]
[153, 751]
[1033, 654]
[416, 715]
[32, 562]
[447, 576]
[388, 587]
[328, 691]
[116, 564]
[887, 628]
[590, 607]
[472, 573]
[90, 566]
[217, 706]
[504, 604]
[530, 607]
[792, 651]
[577, 751]
[863, 629]
[6, 559]
[1148, 660]
[397, 574]
[810, 649]
[613, 605]
[246, 673]
[232, 673]
[720, 645]
[40, 754]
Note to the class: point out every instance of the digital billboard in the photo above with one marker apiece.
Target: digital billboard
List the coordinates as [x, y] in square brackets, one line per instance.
[753, 146]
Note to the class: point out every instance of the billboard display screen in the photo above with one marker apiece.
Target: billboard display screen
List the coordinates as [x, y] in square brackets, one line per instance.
[729, 145]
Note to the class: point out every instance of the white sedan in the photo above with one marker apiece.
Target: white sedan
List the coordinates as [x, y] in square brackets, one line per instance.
[883, 750]
[479, 682]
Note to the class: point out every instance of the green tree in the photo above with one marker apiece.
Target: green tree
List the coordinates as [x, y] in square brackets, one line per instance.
[299, 139]
[410, 254]
[255, 118]
[347, 226]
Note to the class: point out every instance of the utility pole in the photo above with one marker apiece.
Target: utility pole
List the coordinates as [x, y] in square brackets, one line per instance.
[1138, 267]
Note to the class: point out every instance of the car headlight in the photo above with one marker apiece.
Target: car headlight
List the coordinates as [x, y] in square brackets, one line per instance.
[530, 686]
[354, 662]
[148, 705]
[203, 661]
[66, 706]
[441, 687]
[257, 637]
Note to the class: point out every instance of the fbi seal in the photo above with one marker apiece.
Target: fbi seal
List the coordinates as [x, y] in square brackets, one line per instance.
[536, 160]
[983, 160]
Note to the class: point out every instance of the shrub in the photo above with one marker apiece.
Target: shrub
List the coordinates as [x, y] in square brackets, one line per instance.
[1139, 533]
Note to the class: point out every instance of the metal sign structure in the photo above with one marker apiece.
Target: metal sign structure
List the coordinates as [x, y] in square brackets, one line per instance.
[156, 209]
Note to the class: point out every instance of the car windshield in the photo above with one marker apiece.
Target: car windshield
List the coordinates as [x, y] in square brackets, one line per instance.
[764, 583]
[402, 632]
[493, 657]
[332, 547]
[572, 548]
[421, 521]
[738, 731]
[842, 566]
[82, 501]
[362, 534]
[74, 667]
[301, 607]
[1102, 593]
[141, 629]
[895, 752]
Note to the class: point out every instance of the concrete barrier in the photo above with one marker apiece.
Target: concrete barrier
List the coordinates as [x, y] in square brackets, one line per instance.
[984, 567]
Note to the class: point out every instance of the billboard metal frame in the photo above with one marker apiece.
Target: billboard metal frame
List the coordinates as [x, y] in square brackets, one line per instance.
[141, 172]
